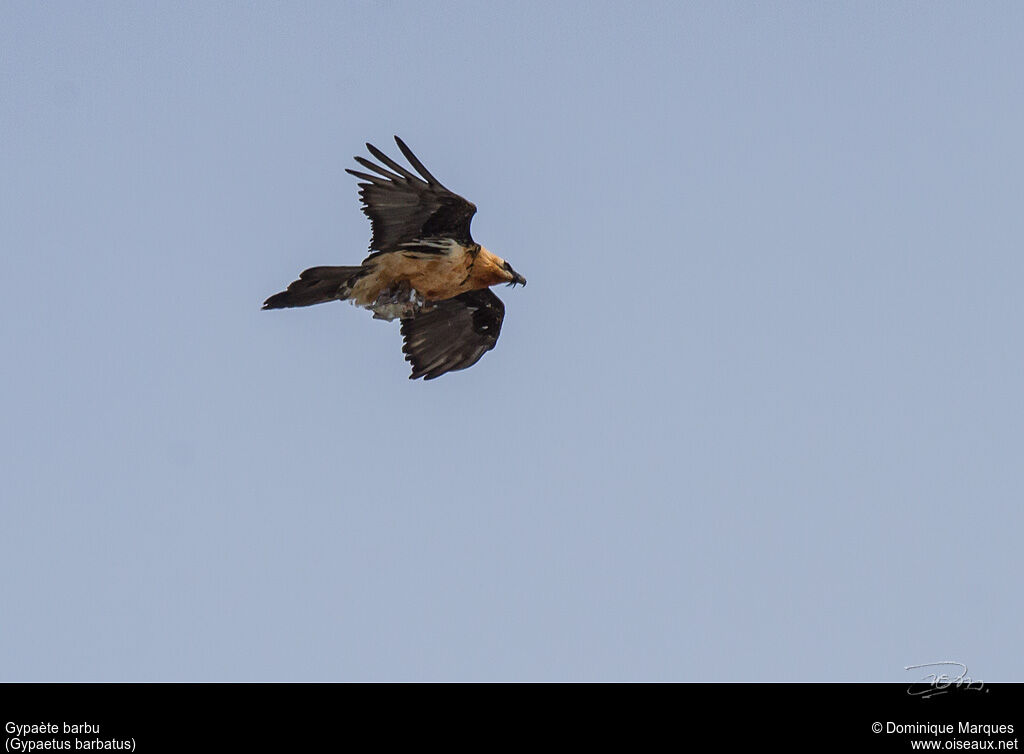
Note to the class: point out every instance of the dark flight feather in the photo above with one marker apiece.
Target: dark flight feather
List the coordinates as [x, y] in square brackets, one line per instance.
[453, 335]
[404, 207]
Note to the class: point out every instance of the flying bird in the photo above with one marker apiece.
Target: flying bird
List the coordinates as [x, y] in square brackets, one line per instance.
[424, 269]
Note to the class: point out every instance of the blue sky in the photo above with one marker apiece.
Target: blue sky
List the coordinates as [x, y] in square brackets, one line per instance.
[757, 416]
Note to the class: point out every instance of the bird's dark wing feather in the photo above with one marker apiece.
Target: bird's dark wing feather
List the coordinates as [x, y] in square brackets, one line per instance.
[403, 206]
[453, 335]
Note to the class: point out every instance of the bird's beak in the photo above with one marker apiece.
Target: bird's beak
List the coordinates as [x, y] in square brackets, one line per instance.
[517, 279]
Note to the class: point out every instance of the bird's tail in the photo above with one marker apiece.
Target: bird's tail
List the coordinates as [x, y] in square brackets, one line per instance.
[315, 286]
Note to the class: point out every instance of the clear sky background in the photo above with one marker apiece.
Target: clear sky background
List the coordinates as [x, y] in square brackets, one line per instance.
[759, 414]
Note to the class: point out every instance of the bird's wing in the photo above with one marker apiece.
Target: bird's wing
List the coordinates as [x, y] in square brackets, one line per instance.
[404, 207]
[453, 335]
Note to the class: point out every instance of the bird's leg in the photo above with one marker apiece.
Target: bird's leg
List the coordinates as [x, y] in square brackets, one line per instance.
[398, 301]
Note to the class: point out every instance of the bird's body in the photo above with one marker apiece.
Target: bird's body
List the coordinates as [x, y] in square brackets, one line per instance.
[424, 269]
[438, 275]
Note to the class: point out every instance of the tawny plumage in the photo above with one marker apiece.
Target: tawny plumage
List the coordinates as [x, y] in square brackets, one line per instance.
[424, 268]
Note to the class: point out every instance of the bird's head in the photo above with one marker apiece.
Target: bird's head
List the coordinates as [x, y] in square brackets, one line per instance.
[492, 269]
